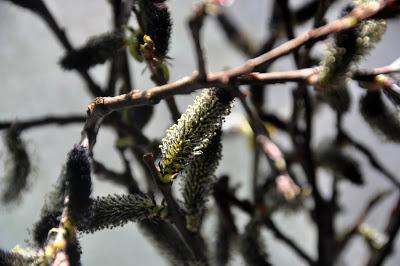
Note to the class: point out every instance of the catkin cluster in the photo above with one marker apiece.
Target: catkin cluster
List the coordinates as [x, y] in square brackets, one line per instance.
[348, 47]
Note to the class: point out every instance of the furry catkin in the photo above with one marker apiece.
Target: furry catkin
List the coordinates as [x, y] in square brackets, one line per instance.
[347, 48]
[41, 228]
[117, 210]
[198, 180]
[384, 121]
[190, 136]
[78, 181]
[96, 51]
[157, 24]
[18, 167]
[342, 164]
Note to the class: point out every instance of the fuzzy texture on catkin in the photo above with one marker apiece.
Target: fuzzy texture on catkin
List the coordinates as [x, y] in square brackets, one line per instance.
[190, 136]
[117, 210]
[168, 243]
[343, 165]
[96, 51]
[347, 48]
[197, 182]
[157, 24]
[74, 252]
[18, 167]
[376, 113]
[78, 181]
[47, 221]
[13, 259]
[252, 246]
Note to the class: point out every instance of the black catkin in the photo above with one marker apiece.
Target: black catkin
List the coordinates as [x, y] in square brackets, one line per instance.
[13, 259]
[18, 168]
[157, 24]
[41, 228]
[74, 252]
[96, 51]
[335, 159]
[376, 113]
[78, 181]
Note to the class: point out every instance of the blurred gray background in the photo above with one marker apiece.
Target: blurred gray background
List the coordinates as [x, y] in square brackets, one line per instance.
[32, 84]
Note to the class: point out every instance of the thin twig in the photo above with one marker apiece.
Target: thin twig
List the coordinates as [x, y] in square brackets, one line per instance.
[43, 121]
[373, 160]
[392, 229]
[195, 24]
[352, 231]
[248, 208]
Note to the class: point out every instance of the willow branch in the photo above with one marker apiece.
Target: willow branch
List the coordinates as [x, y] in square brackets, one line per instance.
[373, 160]
[43, 121]
[195, 24]
[352, 231]
[104, 106]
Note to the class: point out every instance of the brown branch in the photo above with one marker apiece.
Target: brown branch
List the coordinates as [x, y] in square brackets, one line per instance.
[352, 231]
[103, 106]
[195, 24]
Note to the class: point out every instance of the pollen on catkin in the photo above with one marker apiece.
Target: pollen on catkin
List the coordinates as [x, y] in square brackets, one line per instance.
[193, 132]
[346, 49]
[117, 210]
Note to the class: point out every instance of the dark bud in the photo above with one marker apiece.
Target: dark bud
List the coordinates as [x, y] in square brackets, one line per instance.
[157, 24]
[96, 51]
[18, 167]
[335, 159]
[78, 181]
[377, 114]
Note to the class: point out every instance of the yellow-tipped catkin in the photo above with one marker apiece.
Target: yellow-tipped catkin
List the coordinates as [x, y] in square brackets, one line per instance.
[346, 49]
[193, 132]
